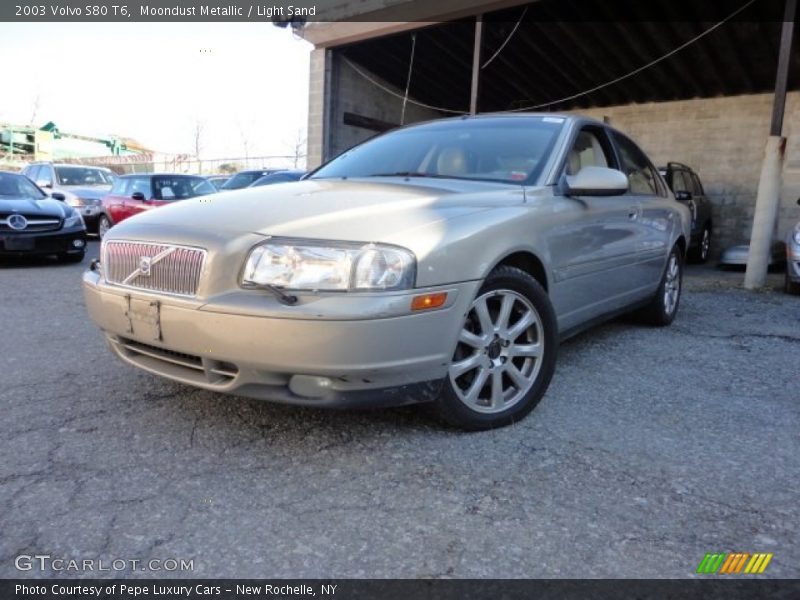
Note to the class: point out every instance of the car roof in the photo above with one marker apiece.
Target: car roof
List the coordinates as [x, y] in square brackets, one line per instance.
[129, 175]
[47, 162]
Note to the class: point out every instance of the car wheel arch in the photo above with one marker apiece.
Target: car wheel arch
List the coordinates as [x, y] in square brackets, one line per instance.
[526, 261]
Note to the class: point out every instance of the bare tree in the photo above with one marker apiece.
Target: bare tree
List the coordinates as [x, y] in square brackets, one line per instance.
[245, 130]
[199, 129]
[299, 147]
[36, 103]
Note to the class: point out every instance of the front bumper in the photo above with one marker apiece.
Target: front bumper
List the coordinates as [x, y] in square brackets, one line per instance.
[339, 350]
[42, 243]
[91, 216]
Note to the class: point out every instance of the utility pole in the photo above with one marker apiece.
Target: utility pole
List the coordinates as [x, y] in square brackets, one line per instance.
[769, 185]
[476, 65]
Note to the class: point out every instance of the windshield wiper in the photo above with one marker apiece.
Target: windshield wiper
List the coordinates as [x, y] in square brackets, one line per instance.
[408, 174]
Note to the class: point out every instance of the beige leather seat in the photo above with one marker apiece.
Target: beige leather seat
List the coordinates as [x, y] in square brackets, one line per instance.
[452, 161]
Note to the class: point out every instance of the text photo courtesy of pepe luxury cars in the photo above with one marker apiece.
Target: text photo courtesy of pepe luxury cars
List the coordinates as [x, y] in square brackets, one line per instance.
[269, 275]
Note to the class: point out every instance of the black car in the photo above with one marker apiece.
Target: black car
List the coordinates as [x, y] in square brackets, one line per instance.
[278, 177]
[244, 178]
[686, 186]
[33, 223]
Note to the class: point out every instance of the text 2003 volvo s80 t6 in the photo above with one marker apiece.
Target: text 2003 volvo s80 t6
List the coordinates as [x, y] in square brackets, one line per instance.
[440, 262]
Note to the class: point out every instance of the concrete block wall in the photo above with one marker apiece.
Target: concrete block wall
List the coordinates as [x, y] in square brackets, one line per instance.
[356, 94]
[723, 139]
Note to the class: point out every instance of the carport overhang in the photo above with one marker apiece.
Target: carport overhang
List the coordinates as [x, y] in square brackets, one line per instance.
[557, 51]
[466, 57]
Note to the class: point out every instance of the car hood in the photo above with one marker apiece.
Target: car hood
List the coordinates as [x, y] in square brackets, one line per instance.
[365, 210]
[47, 207]
[88, 192]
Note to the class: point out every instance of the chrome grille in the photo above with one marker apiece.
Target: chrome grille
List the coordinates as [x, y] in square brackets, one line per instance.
[34, 223]
[166, 268]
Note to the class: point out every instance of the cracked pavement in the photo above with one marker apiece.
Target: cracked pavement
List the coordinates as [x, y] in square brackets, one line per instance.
[651, 448]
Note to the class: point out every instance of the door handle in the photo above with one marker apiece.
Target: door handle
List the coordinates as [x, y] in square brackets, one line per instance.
[633, 212]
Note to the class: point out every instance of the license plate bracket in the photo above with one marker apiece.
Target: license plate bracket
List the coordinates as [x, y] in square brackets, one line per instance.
[16, 243]
[144, 317]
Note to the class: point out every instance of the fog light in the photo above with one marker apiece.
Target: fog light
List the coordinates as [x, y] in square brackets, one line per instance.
[78, 243]
[428, 301]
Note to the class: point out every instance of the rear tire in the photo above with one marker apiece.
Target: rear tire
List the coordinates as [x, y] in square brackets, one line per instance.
[506, 354]
[664, 306]
[700, 253]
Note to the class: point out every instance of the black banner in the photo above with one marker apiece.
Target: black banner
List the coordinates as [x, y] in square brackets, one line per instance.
[299, 12]
[402, 589]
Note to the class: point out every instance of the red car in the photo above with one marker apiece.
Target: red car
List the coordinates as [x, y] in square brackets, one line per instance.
[132, 194]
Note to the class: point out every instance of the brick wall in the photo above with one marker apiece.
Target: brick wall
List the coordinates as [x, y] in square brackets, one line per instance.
[723, 140]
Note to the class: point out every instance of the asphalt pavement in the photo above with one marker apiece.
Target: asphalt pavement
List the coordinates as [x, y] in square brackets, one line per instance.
[651, 448]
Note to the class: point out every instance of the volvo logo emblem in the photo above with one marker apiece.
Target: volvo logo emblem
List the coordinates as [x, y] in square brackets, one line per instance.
[144, 265]
[17, 222]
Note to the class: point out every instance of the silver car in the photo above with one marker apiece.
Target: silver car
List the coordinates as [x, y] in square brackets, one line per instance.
[440, 263]
[792, 283]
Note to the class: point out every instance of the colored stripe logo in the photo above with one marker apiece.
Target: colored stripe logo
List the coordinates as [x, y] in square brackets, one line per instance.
[734, 563]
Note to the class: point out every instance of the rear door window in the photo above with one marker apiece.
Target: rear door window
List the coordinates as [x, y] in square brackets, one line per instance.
[698, 187]
[642, 176]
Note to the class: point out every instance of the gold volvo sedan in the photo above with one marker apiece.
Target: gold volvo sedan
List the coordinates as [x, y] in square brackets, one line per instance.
[440, 263]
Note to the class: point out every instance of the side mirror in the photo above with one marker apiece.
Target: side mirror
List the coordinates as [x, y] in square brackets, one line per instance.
[44, 184]
[58, 196]
[596, 181]
[683, 196]
[137, 196]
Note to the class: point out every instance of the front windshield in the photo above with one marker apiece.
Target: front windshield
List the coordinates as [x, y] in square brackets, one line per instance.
[83, 176]
[510, 150]
[18, 186]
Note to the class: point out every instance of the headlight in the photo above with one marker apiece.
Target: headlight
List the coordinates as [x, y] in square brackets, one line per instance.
[329, 266]
[796, 235]
[73, 219]
[74, 200]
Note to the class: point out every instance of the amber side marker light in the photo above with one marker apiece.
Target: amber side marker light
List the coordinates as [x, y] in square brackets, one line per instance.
[428, 301]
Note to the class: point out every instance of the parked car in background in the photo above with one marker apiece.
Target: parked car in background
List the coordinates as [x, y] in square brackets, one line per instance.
[134, 194]
[242, 179]
[83, 187]
[217, 180]
[33, 223]
[736, 256]
[792, 283]
[686, 186]
[440, 262]
[278, 177]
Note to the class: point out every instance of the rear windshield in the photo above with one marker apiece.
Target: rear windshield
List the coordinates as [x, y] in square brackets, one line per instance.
[180, 188]
[511, 150]
[241, 180]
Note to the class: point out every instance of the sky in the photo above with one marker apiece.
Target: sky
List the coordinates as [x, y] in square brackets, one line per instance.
[245, 83]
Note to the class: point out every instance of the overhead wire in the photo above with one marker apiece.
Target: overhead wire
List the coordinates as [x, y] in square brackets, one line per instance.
[406, 100]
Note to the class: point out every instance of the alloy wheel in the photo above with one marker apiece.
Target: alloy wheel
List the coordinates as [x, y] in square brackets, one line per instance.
[672, 284]
[705, 244]
[499, 352]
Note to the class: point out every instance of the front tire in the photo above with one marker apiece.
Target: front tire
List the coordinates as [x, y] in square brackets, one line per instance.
[505, 355]
[103, 225]
[71, 258]
[789, 286]
[664, 306]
